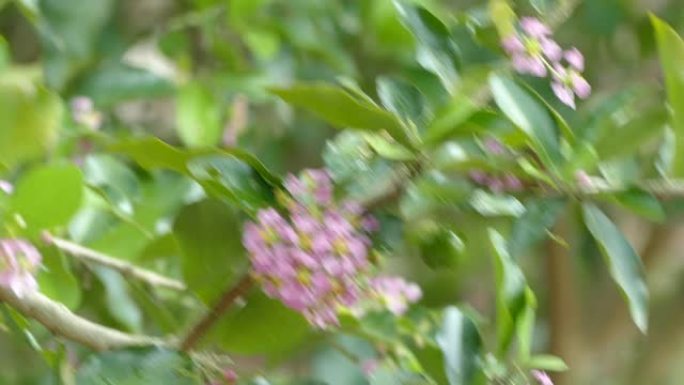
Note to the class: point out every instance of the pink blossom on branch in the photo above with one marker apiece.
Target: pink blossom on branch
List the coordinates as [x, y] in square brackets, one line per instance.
[534, 52]
[541, 377]
[314, 257]
[19, 263]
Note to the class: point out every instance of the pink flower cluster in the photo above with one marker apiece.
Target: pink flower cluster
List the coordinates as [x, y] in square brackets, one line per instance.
[535, 53]
[314, 258]
[19, 262]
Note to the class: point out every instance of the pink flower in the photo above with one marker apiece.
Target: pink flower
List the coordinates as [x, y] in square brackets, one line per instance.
[19, 262]
[541, 377]
[396, 293]
[534, 27]
[6, 187]
[567, 83]
[575, 58]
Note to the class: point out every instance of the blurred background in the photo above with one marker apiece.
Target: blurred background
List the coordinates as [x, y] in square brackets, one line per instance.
[172, 67]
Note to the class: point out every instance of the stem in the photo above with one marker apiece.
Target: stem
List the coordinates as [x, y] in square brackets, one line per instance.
[126, 269]
[227, 299]
[564, 309]
[62, 322]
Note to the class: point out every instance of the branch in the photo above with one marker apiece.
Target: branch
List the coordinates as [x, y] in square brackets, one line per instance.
[125, 268]
[62, 322]
[227, 299]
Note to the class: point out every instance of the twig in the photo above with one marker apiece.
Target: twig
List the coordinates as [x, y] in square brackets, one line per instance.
[62, 322]
[91, 256]
[227, 299]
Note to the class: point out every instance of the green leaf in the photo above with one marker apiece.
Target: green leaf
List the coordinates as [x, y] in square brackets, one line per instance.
[198, 116]
[57, 281]
[531, 227]
[263, 326]
[5, 56]
[460, 343]
[640, 202]
[453, 118]
[118, 300]
[48, 196]
[642, 129]
[525, 327]
[402, 98]
[510, 291]
[431, 360]
[529, 115]
[440, 247]
[137, 367]
[228, 176]
[70, 31]
[112, 83]
[671, 51]
[624, 264]
[152, 153]
[388, 148]
[209, 237]
[547, 362]
[436, 51]
[344, 110]
[496, 205]
[31, 117]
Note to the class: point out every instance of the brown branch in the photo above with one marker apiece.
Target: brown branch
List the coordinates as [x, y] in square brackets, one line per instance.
[563, 303]
[241, 288]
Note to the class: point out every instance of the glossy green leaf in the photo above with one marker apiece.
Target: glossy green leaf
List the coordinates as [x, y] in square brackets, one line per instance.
[70, 32]
[209, 237]
[624, 264]
[547, 362]
[388, 148]
[640, 202]
[152, 153]
[57, 281]
[528, 115]
[403, 99]
[460, 343]
[436, 50]
[343, 110]
[137, 367]
[198, 116]
[31, 117]
[490, 205]
[112, 83]
[525, 326]
[510, 291]
[48, 196]
[228, 177]
[671, 51]
[118, 300]
[440, 248]
[262, 326]
[453, 119]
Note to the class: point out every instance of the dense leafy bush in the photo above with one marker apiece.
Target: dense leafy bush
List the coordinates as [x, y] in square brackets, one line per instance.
[178, 208]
